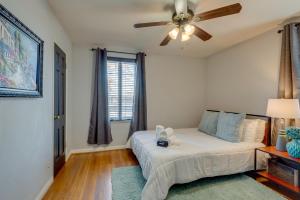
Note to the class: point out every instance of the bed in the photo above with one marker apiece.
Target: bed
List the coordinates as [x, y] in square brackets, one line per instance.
[197, 156]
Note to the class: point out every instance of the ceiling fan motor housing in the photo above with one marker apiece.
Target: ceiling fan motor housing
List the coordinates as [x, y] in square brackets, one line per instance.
[182, 18]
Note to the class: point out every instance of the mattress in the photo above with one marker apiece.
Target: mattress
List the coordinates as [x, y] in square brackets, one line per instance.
[197, 155]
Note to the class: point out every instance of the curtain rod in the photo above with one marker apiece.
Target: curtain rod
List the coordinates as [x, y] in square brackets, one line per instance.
[93, 49]
[280, 31]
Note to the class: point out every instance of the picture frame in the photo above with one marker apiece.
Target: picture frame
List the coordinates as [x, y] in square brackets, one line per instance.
[21, 58]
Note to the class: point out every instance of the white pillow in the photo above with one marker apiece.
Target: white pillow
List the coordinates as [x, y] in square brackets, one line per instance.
[260, 134]
[253, 130]
[250, 127]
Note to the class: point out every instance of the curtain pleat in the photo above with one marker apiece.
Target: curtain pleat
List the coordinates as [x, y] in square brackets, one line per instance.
[139, 115]
[99, 129]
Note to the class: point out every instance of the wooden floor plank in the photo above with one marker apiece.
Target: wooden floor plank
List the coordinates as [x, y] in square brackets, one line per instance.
[88, 176]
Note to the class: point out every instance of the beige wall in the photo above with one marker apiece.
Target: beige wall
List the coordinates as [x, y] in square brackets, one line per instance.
[175, 94]
[175, 90]
[243, 77]
[26, 124]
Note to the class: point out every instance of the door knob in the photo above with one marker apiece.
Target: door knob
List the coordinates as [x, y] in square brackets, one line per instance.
[56, 117]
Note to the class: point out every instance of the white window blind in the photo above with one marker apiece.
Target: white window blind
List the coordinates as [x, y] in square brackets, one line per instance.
[121, 80]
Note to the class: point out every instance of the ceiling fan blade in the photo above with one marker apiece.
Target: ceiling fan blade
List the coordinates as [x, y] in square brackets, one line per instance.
[181, 6]
[165, 41]
[200, 33]
[149, 24]
[219, 12]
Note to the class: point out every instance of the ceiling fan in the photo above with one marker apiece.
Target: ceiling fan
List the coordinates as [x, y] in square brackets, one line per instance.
[184, 19]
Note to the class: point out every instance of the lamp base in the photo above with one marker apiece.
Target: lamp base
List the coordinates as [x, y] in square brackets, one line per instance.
[281, 142]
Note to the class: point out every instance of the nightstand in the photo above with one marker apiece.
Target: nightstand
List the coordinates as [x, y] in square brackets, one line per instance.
[282, 155]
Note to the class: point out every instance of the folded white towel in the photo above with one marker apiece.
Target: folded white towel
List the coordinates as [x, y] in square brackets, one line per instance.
[158, 130]
[165, 134]
[169, 132]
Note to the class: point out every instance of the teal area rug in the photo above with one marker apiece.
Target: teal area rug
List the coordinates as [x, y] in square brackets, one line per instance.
[128, 183]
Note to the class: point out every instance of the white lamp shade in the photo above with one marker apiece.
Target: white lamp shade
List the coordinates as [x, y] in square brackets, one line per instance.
[283, 108]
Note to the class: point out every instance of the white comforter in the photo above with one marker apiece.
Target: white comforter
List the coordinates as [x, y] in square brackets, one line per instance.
[197, 156]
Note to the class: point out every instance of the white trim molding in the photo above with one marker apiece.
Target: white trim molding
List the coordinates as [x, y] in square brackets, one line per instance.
[44, 189]
[95, 149]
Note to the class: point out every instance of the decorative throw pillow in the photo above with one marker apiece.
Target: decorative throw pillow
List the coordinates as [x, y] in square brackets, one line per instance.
[254, 130]
[260, 132]
[250, 130]
[228, 127]
[209, 123]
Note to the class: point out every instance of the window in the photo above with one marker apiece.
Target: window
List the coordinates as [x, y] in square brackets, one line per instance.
[121, 80]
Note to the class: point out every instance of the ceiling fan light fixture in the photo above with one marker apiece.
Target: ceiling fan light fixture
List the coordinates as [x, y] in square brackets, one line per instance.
[184, 20]
[174, 33]
[189, 29]
[185, 37]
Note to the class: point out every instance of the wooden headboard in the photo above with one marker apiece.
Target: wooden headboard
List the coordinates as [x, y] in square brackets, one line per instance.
[267, 138]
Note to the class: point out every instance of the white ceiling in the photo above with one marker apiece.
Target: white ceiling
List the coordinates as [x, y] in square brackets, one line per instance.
[109, 23]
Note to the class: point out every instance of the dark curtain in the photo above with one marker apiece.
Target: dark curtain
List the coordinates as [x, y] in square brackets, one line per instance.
[289, 74]
[139, 115]
[99, 130]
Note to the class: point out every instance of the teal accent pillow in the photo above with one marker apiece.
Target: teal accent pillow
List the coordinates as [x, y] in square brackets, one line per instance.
[228, 127]
[209, 122]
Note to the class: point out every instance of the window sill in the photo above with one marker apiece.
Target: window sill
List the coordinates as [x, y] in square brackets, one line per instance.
[121, 121]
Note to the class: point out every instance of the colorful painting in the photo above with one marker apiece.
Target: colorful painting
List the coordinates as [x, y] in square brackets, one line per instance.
[20, 58]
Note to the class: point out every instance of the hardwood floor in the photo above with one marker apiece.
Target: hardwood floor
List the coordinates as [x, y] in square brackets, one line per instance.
[88, 176]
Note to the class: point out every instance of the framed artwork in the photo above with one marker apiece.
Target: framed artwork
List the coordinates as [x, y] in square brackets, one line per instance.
[21, 58]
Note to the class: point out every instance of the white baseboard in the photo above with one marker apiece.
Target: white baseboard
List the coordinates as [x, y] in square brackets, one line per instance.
[44, 189]
[68, 156]
[95, 149]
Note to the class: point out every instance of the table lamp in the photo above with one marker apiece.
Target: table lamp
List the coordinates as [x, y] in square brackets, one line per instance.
[283, 109]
